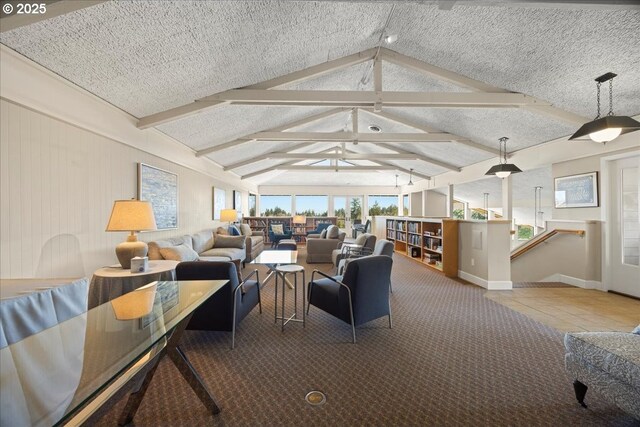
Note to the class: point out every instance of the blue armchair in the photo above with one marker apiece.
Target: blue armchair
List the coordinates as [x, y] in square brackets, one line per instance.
[321, 226]
[359, 296]
[227, 307]
[275, 238]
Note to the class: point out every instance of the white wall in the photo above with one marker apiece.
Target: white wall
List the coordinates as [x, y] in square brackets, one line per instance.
[58, 187]
[567, 258]
[484, 252]
[585, 165]
[65, 156]
[435, 204]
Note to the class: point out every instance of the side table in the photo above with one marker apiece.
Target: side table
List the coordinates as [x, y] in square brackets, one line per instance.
[111, 282]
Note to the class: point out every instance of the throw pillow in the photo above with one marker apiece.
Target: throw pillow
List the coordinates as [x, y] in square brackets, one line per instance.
[323, 234]
[233, 230]
[245, 229]
[203, 241]
[277, 228]
[637, 330]
[222, 231]
[332, 232]
[179, 253]
[229, 242]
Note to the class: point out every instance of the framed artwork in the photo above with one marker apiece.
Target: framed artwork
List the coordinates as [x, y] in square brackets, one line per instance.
[576, 191]
[237, 202]
[160, 187]
[219, 201]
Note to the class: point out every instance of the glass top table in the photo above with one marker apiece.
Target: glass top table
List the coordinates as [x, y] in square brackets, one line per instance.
[274, 258]
[49, 377]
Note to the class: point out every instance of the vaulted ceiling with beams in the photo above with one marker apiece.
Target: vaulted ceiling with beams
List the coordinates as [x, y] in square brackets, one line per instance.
[285, 92]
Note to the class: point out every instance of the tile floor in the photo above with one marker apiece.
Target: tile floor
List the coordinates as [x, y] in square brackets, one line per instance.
[573, 309]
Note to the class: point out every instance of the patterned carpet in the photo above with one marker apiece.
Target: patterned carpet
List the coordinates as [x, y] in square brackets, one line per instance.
[453, 358]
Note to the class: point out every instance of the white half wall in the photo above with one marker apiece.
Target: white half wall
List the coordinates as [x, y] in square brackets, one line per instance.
[483, 253]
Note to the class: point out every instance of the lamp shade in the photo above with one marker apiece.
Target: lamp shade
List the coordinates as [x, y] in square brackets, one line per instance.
[503, 170]
[606, 128]
[136, 304]
[131, 215]
[229, 215]
[299, 219]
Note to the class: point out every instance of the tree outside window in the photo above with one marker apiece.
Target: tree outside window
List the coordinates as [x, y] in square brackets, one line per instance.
[383, 205]
[275, 205]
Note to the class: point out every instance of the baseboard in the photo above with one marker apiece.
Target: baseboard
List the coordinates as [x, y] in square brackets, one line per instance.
[574, 281]
[487, 284]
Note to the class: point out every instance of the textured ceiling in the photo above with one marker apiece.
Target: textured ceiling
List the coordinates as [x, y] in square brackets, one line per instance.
[148, 56]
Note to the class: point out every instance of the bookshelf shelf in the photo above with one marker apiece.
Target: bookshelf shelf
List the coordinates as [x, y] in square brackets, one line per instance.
[431, 241]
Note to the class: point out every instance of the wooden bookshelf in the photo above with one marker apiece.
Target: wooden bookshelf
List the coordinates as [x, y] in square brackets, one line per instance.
[431, 241]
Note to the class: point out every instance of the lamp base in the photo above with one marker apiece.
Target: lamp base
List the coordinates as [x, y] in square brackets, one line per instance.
[127, 250]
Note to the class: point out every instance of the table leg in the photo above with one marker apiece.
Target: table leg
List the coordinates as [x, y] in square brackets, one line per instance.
[272, 268]
[185, 368]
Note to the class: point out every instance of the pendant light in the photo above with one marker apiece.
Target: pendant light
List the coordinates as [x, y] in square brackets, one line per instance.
[609, 127]
[397, 182]
[410, 177]
[503, 169]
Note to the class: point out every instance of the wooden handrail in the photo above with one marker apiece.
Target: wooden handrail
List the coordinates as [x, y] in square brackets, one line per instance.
[533, 243]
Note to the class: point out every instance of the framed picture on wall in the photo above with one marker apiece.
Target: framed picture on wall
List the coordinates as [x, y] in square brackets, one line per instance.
[576, 191]
[219, 198]
[160, 187]
[237, 202]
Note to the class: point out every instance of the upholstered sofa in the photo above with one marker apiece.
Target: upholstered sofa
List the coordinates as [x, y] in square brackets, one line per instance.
[608, 362]
[254, 242]
[204, 245]
[321, 246]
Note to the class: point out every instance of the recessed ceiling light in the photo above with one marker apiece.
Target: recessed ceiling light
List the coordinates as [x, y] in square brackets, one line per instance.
[375, 128]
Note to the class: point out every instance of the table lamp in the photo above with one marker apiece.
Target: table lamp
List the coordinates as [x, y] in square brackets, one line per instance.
[133, 216]
[229, 215]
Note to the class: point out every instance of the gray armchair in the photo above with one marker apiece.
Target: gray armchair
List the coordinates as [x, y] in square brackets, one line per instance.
[361, 295]
[319, 249]
[366, 241]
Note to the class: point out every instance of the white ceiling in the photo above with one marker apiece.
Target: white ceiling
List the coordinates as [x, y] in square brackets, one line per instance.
[148, 56]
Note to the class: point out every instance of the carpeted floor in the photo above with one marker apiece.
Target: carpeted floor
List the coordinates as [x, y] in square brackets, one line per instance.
[453, 358]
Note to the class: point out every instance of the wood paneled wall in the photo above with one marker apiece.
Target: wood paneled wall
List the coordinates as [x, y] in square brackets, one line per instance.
[57, 187]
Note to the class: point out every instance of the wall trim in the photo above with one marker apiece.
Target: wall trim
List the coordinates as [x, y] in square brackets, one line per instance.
[574, 281]
[492, 285]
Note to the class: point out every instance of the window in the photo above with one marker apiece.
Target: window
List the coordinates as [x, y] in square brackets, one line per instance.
[525, 232]
[477, 213]
[405, 204]
[252, 204]
[312, 205]
[383, 205]
[458, 210]
[275, 205]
